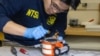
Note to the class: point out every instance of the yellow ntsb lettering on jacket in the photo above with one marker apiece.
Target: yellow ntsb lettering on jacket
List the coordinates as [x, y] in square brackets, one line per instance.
[33, 13]
[51, 20]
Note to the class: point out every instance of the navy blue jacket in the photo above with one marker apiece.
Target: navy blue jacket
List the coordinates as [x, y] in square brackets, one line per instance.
[30, 13]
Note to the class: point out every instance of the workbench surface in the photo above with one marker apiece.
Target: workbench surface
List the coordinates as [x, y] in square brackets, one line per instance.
[5, 51]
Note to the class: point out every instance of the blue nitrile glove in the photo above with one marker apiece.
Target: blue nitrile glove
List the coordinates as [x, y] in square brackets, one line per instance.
[60, 38]
[35, 32]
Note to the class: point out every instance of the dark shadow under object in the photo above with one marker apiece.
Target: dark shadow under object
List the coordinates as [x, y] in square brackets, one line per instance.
[0, 43]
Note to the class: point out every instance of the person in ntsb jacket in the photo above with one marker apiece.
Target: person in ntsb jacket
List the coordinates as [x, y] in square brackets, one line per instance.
[28, 21]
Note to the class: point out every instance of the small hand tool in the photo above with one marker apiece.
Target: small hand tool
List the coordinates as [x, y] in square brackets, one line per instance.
[13, 50]
[24, 51]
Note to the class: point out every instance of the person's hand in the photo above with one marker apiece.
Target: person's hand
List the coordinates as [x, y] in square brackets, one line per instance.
[35, 32]
[60, 38]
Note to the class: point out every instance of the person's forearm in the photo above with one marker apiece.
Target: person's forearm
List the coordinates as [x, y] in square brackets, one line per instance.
[14, 29]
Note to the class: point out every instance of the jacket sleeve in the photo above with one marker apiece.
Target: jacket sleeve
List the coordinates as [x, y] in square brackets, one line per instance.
[7, 9]
[60, 24]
